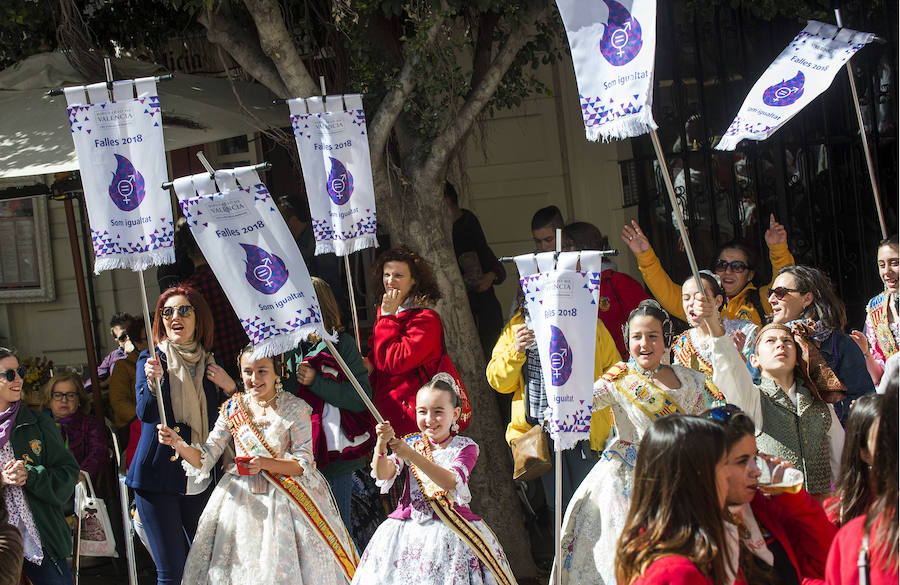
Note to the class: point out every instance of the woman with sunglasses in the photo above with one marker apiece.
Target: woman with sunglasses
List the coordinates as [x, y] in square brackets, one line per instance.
[735, 264]
[674, 533]
[39, 475]
[802, 297]
[64, 398]
[637, 392]
[783, 535]
[882, 331]
[792, 405]
[190, 385]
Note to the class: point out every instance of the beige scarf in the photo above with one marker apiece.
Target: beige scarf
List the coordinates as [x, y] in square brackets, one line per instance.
[186, 391]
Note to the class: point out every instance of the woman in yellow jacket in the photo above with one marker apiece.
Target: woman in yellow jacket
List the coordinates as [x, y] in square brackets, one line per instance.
[514, 355]
[735, 265]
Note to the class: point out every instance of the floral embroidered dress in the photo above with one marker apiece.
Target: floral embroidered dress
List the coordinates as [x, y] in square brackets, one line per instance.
[251, 531]
[413, 546]
[596, 515]
[693, 352]
[882, 333]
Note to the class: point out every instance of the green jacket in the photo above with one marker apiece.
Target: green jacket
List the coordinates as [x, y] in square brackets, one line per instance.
[52, 474]
[341, 395]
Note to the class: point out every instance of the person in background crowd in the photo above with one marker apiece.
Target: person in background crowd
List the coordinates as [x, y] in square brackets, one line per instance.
[544, 224]
[11, 546]
[84, 435]
[121, 388]
[619, 293]
[416, 544]
[638, 392]
[38, 474]
[867, 546]
[190, 386]
[343, 431]
[230, 335]
[480, 270]
[735, 264]
[783, 537]
[675, 532]
[692, 348]
[854, 489]
[515, 368]
[882, 330]
[802, 297]
[325, 266]
[254, 529]
[407, 343]
[790, 407]
[118, 325]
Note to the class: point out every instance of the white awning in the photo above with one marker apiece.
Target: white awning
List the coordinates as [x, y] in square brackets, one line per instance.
[35, 138]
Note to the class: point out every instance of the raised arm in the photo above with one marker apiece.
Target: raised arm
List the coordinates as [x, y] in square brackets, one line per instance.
[667, 292]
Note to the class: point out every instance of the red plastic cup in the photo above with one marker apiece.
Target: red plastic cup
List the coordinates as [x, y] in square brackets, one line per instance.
[241, 469]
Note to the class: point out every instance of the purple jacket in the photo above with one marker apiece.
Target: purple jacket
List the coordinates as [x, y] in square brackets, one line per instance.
[86, 439]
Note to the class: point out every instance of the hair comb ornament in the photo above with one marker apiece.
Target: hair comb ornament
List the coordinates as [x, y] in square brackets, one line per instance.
[446, 379]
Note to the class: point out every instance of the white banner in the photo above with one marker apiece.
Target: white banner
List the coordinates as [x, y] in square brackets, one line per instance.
[253, 255]
[798, 75]
[122, 160]
[613, 46]
[562, 307]
[333, 143]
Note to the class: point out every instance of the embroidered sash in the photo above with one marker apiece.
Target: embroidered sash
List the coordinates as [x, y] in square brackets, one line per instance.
[688, 356]
[647, 396]
[878, 311]
[249, 438]
[442, 505]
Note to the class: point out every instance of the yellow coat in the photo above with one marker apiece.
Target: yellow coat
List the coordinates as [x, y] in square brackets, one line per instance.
[504, 374]
[668, 293]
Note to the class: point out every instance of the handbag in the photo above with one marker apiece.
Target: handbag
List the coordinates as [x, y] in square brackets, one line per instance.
[531, 454]
[95, 535]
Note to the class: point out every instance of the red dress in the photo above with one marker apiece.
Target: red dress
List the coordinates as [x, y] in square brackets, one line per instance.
[798, 522]
[404, 350]
[672, 571]
[844, 554]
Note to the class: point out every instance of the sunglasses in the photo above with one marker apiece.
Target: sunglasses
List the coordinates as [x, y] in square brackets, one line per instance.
[121, 338]
[781, 292]
[736, 266]
[183, 311]
[11, 374]
[64, 396]
[722, 414]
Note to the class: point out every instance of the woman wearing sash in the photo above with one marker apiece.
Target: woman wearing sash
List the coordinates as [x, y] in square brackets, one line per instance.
[272, 518]
[882, 331]
[692, 348]
[432, 538]
[191, 384]
[638, 393]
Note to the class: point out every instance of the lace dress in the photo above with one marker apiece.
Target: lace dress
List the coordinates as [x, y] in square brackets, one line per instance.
[250, 531]
[413, 546]
[596, 514]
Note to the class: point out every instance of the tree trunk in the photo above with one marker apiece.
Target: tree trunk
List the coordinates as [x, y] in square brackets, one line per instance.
[416, 215]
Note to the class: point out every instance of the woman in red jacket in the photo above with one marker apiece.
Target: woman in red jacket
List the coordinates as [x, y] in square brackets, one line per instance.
[784, 539]
[675, 531]
[406, 343]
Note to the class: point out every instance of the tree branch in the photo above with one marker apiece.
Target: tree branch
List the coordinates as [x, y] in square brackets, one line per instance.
[244, 48]
[392, 104]
[277, 44]
[484, 45]
[443, 146]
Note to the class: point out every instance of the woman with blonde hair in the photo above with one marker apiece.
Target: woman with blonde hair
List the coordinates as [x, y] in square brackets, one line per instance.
[64, 398]
[343, 431]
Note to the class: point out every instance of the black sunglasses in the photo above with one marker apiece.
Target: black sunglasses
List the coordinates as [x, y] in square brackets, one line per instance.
[183, 311]
[11, 373]
[121, 338]
[781, 292]
[722, 414]
[736, 266]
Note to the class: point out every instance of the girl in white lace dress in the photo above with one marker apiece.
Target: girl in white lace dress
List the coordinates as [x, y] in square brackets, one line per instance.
[414, 546]
[638, 393]
[252, 530]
